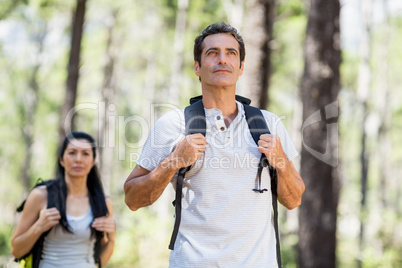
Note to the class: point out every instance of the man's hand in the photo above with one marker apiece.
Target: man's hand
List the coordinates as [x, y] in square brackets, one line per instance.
[188, 150]
[271, 146]
[143, 187]
[290, 185]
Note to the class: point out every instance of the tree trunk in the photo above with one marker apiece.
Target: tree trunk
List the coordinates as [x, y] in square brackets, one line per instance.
[67, 113]
[384, 142]
[28, 109]
[258, 36]
[364, 84]
[31, 104]
[319, 92]
[177, 63]
[108, 114]
[384, 99]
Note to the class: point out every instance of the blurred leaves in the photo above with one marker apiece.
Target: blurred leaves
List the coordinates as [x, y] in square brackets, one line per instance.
[143, 33]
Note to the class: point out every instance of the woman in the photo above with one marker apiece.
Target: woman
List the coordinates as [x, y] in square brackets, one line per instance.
[80, 215]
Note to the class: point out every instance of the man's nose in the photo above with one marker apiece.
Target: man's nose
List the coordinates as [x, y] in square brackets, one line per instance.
[222, 58]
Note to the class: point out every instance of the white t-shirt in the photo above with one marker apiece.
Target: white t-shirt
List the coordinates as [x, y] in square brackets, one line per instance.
[224, 222]
[76, 249]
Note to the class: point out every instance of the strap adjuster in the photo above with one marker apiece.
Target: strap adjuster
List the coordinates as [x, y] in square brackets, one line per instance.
[260, 190]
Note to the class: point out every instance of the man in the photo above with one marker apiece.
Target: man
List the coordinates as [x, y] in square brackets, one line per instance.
[224, 223]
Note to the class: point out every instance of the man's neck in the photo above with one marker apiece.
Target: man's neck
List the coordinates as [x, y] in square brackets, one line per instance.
[222, 99]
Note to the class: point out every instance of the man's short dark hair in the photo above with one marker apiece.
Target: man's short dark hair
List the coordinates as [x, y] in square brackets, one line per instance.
[217, 28]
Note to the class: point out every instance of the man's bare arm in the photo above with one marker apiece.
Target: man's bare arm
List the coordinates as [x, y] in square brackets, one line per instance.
[290, 186]
[143, 187]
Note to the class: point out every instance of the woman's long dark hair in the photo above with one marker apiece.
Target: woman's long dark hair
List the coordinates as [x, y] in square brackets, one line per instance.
[94, 183]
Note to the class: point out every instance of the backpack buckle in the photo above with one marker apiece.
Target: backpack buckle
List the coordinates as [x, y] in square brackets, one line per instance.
[260, 190]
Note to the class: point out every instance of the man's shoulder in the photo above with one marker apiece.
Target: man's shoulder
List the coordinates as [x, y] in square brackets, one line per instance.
[269, 115]
[173, 117]
[171, 124]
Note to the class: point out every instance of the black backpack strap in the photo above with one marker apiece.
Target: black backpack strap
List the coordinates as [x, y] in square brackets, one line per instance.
[258, 126]
[51, 202]
[97, 249]
[52, 194]
[194, 116]
[239, 98]
[177, 205]
[195, 122]
[275, 214]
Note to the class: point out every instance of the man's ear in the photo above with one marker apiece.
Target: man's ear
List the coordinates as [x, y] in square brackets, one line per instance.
[196, 68]
[241, 67]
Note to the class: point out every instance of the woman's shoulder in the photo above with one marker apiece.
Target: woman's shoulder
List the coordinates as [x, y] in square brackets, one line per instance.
[41, 189]
[38, 193]
[37, 199]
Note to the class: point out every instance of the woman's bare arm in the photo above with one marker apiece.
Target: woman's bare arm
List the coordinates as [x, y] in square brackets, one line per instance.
[107, 225]
[35, 220]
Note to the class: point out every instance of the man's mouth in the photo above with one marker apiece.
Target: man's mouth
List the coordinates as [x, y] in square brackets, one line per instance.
[222, 70]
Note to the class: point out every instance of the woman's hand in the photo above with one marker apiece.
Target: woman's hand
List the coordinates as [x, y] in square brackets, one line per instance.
[106, 225]
[48, 218]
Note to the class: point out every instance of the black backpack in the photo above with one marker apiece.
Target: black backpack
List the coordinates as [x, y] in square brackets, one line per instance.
[195, 122]
[52, 201]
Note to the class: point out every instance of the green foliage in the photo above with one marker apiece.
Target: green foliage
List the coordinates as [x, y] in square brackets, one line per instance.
[8, 6]
[145, 236]
[287, 63]
[5, 231]
[292, 8]
[143, 49]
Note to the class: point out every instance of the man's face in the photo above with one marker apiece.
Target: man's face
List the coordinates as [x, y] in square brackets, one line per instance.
[220, 61]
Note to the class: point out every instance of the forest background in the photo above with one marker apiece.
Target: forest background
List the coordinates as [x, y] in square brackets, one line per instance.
[131, 61]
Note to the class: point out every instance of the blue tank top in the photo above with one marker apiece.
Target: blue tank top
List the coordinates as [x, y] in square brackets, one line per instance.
[62, 249]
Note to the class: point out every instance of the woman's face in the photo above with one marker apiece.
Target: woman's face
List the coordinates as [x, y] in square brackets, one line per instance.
[78, 159]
